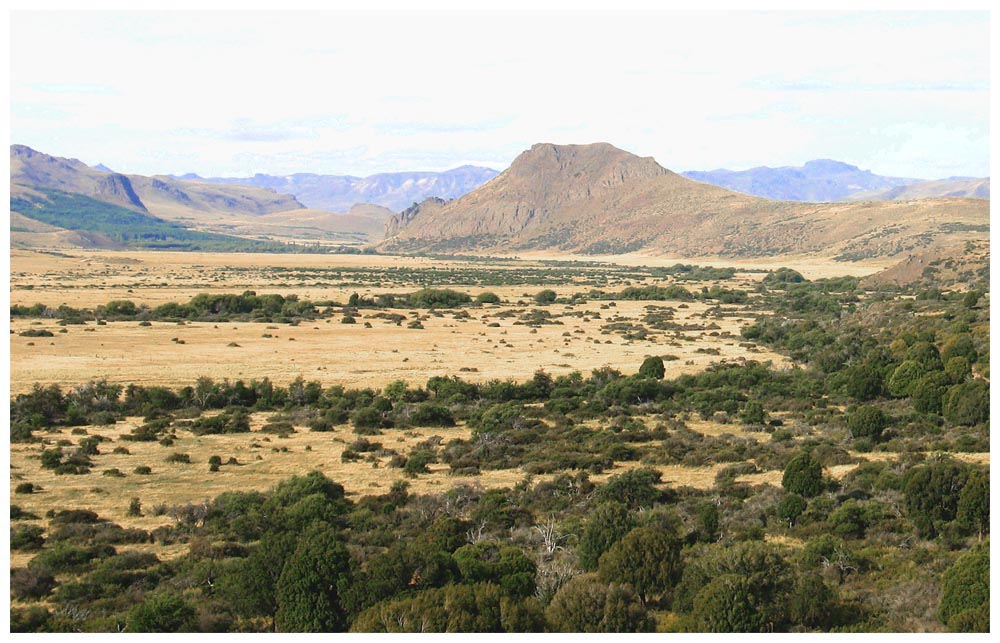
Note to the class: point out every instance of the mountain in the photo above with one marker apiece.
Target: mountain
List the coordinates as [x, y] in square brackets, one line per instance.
[51, 195]
[598, 199]
[955, 187]
[395, 190]
[817, 181]
[159, 195]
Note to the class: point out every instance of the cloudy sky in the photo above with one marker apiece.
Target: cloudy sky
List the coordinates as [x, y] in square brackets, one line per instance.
[230, 94]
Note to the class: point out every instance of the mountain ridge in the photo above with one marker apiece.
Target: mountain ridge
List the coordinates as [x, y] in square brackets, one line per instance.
[598, 199]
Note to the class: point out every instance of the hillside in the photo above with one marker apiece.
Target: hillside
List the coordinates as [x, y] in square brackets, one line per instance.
[597, 199]
[395, 190]
[45, 190]
[968, 188]
[821, 180]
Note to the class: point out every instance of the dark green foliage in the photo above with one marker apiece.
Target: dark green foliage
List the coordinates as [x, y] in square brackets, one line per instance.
[932, 494]
[162, 612]
[904, 379]
[487, 298]
[762, 573]
[31, 583]
[867, 422]
[959, 345]
[26, 537]
[803, 476]
[25, 487]
[249, 585]
[974, 503]
[652, 367]
[428, 414]
[966, 586]
[635, 488]
[648, 559]
[812, 602]
[655, 293]
[502, 565]
[753, 413]
[967, 403]
[929, 391]
[308, 590]
[607, 524]
[791, 507]
[587, 605]
[78, 212]
[777, 278]
[729, 604]
[545, 296]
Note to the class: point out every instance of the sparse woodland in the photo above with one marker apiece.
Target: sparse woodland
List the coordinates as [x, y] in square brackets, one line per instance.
[851, 491]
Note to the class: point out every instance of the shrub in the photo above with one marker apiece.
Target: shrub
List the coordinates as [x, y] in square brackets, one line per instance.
[487, 298]
[584, 604]
[546, 296]
[134, 508]
[26, 537]
[652, 367]
[867, 422]
[31, 583]
[25, 487]
[803, 476]
[180, 458]
[142, 470]
[161, 613]
[968, 403]
[966, 585]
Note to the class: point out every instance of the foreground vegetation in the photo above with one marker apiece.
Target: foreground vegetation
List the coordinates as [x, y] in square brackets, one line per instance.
[874, 519]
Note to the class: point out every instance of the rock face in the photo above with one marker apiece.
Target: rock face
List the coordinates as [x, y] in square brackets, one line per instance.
[598, 199]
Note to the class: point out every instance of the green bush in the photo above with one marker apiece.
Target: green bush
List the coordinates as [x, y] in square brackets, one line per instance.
[803, 476]
[966, 584]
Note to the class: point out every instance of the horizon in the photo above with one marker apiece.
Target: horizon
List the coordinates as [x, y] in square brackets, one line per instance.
[96, 165]
[232, 94]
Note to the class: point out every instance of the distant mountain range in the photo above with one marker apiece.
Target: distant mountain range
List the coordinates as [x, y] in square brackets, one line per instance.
[396, 190]
[64, 202]
[598, 199]
[825, 181]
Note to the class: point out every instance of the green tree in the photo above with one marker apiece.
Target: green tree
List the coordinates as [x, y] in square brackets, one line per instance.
[967, 404]
[974, 503]
[504, 565]
[647, 559]
[308, 591]
[867, 422]
[249, 585]
[163, 612]
[904, 379]
[803, 476]
[926, 354]
[636, 488]
[929, 392]
[932, 493]
[585, 604]
[863, 382]
[546, 296]
[791, 507]
[754, 413]
[966, 584]
[728, 604]
[608, 523]
[652, 367]
[958, 369]
[959, 345]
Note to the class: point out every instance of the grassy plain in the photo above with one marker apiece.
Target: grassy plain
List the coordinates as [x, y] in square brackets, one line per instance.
[488, 344]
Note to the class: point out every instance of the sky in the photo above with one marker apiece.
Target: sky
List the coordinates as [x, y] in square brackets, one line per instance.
[232, 94]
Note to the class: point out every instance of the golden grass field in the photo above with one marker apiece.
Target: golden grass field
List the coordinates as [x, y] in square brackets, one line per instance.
[325, 350]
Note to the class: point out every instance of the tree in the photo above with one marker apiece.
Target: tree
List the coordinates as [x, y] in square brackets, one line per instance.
[932, 494]
[966, 586]
[974, 503]
[308, 591]
[608, 523]
[863, 382]
[503, 565]
[812, 602]
[867, 422]
[652, 367]
[545, 296]
[754, 413]
[904, 378]
[959, 345]
[929, 391]
[585, 604]
[249, 585]
[636, 488]
[926, 354]
[728, 604]
[164, 612]
[803, 476]
[967, 404]
[791, 507]
[647, 559]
